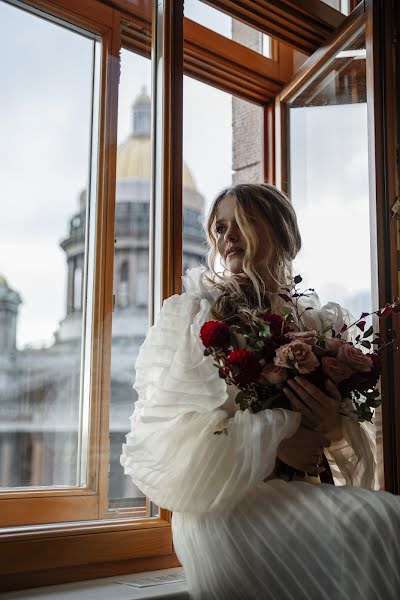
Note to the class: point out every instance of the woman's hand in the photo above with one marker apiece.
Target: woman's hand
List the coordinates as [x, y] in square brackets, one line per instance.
[303, 451]
[319, 410]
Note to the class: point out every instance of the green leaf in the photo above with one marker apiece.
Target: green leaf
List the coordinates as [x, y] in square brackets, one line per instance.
[369, 332]
[366, 344]
[326, 329]
[239, 397]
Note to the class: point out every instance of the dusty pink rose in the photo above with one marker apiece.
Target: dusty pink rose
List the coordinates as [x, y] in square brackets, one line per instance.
[334, 344]
[308, 337]
[354, 358]
[272, 374]
[296, 355]
[335, 369]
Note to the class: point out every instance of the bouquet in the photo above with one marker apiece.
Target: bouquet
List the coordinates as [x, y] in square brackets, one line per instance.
[261, 350]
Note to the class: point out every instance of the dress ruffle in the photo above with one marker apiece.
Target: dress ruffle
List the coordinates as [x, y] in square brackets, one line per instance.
[172, 453]
[238, 537]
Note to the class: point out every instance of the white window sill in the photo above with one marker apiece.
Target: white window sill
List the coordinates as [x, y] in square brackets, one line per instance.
[117, 588]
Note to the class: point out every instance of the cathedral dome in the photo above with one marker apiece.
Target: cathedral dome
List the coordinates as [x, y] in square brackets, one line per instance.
[134, 154]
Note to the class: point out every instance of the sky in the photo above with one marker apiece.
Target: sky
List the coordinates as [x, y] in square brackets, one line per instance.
[45, 103]
[329, 188]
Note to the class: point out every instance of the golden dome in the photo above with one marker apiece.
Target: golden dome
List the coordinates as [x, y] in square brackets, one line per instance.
[134, 160]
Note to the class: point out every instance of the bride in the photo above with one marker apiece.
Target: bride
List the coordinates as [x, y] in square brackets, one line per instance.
[240, 529]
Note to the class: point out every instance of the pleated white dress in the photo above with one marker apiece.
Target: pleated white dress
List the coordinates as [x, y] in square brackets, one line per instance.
[236, 535]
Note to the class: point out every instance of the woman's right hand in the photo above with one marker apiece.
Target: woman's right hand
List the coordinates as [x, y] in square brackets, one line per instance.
[304, 450]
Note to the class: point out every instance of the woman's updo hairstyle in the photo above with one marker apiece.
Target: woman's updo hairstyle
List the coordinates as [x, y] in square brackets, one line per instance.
[255, 203]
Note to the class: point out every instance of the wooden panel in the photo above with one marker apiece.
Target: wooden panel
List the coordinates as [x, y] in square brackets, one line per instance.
[383, 81]
[302, 24]
[86, 572]
[91, 13]
[140, 8]
[104, 275]
[350, 27]
[41, 552]
[218, 61]
[32, 579]
[136, 36]
[33, 511]
[73, 558]
[269, 144]
[172, 148]
[231, 66]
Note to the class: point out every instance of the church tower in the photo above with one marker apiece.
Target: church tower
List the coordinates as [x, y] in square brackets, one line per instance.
[131, 254]
[9, 304]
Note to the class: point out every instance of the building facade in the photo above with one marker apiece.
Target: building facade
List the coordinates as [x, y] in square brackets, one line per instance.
[40, 411]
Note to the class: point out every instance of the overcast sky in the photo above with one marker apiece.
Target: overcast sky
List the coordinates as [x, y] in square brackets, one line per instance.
[45, 107]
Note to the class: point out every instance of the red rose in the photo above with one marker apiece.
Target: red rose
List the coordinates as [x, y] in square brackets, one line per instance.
[271, 344]
[362, 381]
[277, 323]
[249, 366]
[215, 334]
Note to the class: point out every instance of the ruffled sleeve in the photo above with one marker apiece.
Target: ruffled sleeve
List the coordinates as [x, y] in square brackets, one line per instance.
[172, 453]
[353, 458]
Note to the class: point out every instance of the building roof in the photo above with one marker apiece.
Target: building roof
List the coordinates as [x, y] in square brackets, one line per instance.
[134, 154]
[134, 161]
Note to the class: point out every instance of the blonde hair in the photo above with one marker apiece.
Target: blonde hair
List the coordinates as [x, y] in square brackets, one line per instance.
[255, 203]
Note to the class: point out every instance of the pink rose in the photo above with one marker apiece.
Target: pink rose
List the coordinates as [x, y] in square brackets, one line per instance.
[335, 369]
[272, 374]
[308, 337]
[334, 344]
[354, 358]
[296, 355]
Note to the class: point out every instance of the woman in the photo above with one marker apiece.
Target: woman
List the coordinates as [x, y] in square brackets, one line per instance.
[240, 530]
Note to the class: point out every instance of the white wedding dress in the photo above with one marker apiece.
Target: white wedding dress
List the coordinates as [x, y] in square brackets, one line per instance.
[236, 535]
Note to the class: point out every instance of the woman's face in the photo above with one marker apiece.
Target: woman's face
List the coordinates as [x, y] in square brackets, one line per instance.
[230, 241]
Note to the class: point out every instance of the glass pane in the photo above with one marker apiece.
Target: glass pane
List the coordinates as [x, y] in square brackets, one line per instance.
[342, 5]
[228, 27]
[48, 155]
[222, 145]
[131, 264]
[329, 183]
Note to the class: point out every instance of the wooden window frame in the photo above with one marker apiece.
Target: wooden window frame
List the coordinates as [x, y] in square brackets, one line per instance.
[302, 24]
[383, 75]
[91, 547]
[383, 81]
[60, 552]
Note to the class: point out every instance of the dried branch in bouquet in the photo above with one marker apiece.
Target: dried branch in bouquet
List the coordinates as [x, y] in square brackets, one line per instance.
[260, 350]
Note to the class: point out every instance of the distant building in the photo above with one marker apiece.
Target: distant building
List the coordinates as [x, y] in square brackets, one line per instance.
[39, 388]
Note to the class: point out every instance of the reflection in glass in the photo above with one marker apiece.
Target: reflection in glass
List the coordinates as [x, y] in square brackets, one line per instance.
[48, 118]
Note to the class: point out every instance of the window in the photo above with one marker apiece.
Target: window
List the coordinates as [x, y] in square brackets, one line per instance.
[48, 119]
[88, 237]
[328, 181]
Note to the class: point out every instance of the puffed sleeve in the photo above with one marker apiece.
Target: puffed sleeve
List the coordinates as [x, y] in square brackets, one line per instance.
[353, 458]
[172, 453]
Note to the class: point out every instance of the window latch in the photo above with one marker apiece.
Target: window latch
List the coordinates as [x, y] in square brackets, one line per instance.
[396, 209]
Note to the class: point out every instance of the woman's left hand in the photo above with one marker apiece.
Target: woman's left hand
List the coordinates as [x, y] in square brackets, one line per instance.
[319, 410]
